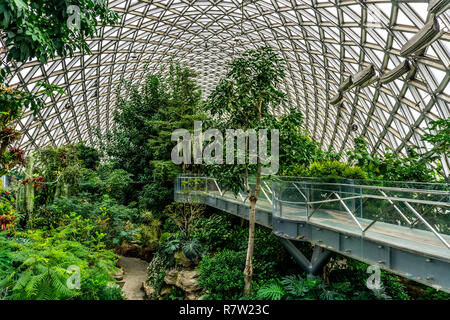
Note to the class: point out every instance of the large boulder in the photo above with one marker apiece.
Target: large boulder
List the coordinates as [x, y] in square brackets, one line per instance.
[171, 277]
[149, 291]
[188, 281]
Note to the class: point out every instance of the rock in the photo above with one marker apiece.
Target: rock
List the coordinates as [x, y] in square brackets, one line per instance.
[181, 260]
[134, 251]
[191, 297]
[188, 281]
[119, 275]
[171, 276]
[149, 291]
[185, 262]
[166, 291]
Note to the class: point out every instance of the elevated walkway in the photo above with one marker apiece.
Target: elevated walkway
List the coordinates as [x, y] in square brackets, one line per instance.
[402, 227]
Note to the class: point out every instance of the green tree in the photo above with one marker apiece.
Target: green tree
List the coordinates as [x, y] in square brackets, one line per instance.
[42, 28]
[39, 29]
[245, 99]
[440, 141]
[298, 148]
[140, 143]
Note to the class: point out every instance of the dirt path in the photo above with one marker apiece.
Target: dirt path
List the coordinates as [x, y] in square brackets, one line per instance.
[135, 273]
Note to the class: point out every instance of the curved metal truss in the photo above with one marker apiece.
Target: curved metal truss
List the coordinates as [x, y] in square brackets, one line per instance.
[323, 43]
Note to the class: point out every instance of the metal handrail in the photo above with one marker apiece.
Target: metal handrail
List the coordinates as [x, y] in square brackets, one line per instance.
[362, 186]
[427, 224]
[349, 212]
[391, 200]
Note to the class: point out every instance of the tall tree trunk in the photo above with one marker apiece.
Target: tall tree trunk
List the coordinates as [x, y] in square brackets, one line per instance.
[253, 197]
[29, 187]
[248, 271]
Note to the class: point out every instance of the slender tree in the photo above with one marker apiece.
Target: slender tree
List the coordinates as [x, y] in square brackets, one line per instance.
[247, 98]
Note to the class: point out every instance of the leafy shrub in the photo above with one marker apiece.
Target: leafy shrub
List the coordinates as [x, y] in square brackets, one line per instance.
[355, 273]
[392, 166]
[155, 196]
[115, 183]
[38, 268]
[89, 157]
[221, 275]
[169, 244]
[328, 168]
[396, 167]
[193, 250]
[149, 231]
[45, 218]
[214, 231]
[294, 287]
[107, 216]
[270, 258]
[433, 294]
[336, 169]
[169, 226]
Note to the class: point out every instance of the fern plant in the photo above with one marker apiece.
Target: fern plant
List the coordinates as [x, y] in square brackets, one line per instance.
[295, 287]
[38, 269]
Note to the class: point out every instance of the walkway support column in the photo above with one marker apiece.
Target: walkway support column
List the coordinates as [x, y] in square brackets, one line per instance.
[318, 260]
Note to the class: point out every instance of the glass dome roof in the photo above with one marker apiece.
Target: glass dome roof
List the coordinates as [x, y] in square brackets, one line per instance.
[323, 42]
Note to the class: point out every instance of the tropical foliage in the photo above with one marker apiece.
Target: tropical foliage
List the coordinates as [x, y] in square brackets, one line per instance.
[70, 210]
[141, 142]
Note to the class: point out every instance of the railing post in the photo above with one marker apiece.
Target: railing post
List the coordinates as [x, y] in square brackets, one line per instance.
[425, 222]
[360, 202]
[307, 202]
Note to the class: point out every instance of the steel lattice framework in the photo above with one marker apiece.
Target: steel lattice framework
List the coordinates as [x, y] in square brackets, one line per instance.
[323, 43]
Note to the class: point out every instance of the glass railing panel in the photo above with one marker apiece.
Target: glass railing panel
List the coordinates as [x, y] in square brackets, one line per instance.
[412, 213]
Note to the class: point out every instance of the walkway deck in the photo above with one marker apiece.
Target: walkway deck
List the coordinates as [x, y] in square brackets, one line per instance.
[418, 254]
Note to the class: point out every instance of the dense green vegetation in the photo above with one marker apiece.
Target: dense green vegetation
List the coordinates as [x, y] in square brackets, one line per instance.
[141, 142]
[71, 210]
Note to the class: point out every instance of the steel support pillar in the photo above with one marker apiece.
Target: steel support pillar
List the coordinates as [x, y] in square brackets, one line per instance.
[318, 260]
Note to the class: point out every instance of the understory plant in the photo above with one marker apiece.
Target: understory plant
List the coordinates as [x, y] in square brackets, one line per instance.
[36, 265]
[221, 275]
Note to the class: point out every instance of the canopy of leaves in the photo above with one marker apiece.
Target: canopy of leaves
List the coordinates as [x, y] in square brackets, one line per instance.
[249, 92]
[42, 29]
[392, 166]
[246, 98]
[140, 141]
